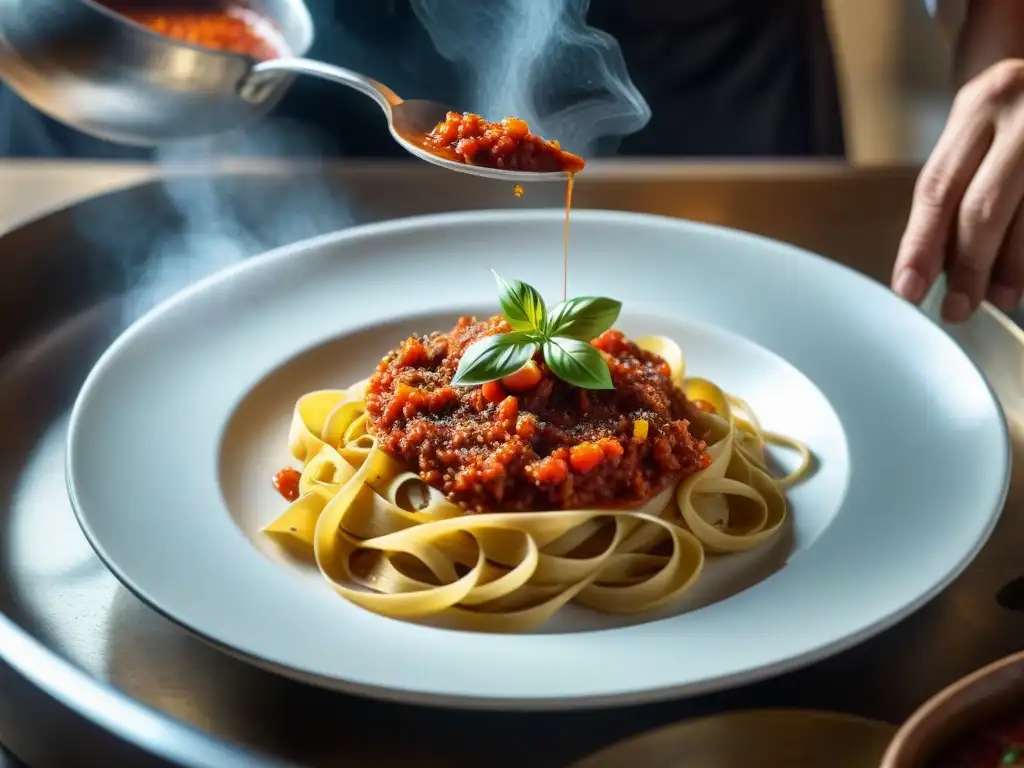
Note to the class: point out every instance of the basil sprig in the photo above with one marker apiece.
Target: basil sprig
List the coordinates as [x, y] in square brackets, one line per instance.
[563, 337]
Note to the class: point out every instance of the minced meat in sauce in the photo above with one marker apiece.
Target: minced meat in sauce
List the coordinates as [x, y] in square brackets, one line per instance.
[508, 145]
[532, 441]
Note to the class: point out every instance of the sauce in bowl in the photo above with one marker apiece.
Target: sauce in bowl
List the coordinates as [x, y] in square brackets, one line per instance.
[232, 28]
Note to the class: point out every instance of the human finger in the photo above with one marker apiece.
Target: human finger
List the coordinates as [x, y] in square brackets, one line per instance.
[989, 206]
[940, 187]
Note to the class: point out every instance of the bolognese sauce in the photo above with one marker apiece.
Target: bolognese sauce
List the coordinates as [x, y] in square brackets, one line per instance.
[507, 145]
[233, 29]
[532, 441]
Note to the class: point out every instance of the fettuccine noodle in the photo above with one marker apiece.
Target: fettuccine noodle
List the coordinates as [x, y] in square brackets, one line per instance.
[389, 543]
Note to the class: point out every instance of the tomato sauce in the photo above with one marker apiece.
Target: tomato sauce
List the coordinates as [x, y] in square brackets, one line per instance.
[286, 482]
[233, 29]
[532, 441]
[509, 146]
[997, 745]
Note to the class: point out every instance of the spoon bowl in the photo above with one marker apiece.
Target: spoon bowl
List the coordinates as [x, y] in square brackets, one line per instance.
[408, 120]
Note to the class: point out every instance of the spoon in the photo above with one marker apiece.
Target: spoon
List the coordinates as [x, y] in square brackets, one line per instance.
[409, 121]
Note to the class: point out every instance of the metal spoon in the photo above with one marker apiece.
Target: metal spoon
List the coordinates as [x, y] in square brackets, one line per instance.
[406, 119]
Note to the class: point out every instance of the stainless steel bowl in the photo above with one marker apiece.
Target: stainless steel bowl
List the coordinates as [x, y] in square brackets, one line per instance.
[107, 76]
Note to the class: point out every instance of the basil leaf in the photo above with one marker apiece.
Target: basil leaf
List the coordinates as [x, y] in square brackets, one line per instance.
[494, 357]
[577, 363]
[583, 318]
[521, 304]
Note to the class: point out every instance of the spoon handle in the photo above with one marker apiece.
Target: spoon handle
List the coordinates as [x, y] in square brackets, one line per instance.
[263, 76]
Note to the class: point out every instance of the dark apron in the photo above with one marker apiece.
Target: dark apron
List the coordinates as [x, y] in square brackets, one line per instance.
[722, 78]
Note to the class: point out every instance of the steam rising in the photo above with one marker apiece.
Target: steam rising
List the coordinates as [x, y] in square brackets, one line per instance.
[223, 222]
[538, 60]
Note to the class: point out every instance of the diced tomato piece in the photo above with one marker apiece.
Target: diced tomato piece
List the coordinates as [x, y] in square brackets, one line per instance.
[549, 471]
[523, 380]
[526, 427]
[610, 447]
[494, 392]
[585, 456]
[508, 409]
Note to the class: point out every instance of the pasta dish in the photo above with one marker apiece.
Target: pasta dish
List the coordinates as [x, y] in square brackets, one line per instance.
[487, 476]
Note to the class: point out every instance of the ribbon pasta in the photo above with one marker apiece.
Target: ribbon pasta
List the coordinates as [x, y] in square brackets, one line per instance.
[393, 545]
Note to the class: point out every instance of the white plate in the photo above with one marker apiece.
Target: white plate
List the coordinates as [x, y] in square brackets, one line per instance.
[179, 427]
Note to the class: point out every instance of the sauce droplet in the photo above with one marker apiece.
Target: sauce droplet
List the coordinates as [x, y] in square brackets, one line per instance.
[286, 482]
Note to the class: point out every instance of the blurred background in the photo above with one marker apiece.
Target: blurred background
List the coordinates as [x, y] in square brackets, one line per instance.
[894, 66]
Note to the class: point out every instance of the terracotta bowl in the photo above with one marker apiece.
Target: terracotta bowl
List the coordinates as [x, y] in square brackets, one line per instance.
[968, 704]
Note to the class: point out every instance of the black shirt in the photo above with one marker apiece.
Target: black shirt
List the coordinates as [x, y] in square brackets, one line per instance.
[721, 78]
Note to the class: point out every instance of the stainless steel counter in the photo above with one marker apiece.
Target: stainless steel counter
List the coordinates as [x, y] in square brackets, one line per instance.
[87, 670]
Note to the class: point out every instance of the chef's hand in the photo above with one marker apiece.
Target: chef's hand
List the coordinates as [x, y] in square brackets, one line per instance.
[966, 217]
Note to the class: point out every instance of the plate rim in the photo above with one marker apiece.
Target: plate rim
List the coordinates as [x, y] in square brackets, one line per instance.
[448, 700]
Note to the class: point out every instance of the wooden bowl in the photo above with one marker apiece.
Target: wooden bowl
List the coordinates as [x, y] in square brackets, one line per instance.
[968, 704]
